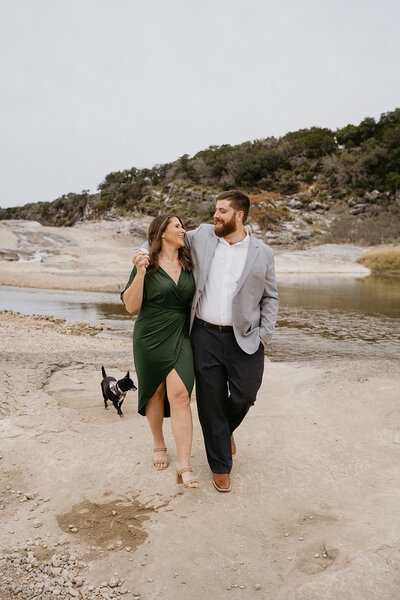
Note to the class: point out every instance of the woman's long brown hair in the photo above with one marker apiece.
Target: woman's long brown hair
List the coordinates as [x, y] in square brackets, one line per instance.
[157, 227]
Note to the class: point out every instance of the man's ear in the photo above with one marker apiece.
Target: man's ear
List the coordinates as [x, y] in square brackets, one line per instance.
[239, 216]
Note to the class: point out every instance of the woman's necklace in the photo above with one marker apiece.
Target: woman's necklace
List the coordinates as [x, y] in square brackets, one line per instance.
[174, 263]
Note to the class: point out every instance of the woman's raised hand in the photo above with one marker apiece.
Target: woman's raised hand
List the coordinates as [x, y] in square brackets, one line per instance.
[141, 260]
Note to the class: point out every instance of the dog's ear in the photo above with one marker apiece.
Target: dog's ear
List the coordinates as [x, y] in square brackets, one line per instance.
[127, 374]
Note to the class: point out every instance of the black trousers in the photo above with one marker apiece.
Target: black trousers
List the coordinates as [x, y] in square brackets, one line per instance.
[227, 382]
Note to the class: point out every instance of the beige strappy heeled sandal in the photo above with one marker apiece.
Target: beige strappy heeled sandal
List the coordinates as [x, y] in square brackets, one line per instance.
[187, 483]
[160, 464]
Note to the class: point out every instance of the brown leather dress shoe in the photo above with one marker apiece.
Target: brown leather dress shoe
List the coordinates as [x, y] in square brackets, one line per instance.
[222, 482]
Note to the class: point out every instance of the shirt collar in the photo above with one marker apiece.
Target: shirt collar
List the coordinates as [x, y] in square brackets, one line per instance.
[244, 242]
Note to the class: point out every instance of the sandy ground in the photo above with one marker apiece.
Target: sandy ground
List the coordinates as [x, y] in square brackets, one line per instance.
[313, 511]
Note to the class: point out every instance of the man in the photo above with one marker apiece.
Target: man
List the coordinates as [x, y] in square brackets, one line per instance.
[233, 317]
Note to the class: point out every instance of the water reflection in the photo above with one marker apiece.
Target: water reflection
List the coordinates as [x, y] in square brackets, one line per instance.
[91, 307]
[327, 316]
[371, 295]
[337, 316]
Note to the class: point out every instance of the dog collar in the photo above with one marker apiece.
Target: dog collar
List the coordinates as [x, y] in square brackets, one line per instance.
[116, 390]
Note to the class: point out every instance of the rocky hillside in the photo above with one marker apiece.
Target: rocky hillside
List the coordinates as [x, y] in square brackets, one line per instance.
[309, 185]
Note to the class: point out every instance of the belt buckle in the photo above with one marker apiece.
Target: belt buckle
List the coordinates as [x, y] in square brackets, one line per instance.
[220, 327]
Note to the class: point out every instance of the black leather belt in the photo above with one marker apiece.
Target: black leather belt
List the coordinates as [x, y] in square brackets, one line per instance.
[214, 326]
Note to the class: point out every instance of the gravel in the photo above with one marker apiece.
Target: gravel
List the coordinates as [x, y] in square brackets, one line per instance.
[24, 577]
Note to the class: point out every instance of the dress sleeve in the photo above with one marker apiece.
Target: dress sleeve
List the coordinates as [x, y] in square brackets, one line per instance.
[131, 278]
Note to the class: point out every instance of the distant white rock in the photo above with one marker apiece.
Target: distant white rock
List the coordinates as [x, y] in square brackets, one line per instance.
[326, 258]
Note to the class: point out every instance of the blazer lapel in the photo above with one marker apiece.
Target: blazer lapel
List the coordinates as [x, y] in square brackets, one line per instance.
[252, 254]
[209, 250]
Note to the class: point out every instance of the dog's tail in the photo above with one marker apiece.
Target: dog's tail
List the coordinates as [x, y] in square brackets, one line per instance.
[103, 372]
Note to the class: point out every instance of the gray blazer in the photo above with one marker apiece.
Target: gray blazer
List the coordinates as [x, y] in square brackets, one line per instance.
[255, 302]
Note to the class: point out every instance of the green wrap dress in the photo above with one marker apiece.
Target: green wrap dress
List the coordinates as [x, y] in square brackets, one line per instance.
[161, 333]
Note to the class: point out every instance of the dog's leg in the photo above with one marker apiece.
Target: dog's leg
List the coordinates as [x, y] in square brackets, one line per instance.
[121, 414]
[104, 397]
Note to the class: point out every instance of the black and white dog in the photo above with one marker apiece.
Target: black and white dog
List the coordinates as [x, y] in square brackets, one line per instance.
[115, 391]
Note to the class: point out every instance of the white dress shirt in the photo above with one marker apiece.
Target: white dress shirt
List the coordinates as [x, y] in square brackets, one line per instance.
[215, 304]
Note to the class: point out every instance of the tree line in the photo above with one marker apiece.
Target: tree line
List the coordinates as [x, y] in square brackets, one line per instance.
[350, 161]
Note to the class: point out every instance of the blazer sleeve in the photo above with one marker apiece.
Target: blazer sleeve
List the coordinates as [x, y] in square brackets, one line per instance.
[145, 247]
[269, 302]
[189, 237]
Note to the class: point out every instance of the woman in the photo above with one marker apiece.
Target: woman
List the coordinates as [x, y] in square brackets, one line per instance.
[161, 287]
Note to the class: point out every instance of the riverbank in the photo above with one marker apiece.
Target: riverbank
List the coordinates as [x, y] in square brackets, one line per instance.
[383, 261]
[92, 256]
[97, 256]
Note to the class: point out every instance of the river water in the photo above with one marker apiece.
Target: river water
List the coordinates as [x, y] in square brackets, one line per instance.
[319, 317]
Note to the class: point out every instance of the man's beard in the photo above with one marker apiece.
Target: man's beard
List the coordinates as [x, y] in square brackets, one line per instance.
[224, 229]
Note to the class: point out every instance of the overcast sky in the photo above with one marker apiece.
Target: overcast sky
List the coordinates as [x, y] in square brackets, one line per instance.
[93, 86]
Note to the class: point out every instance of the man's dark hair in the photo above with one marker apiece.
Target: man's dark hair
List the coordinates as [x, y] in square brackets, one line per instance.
[238, 201]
